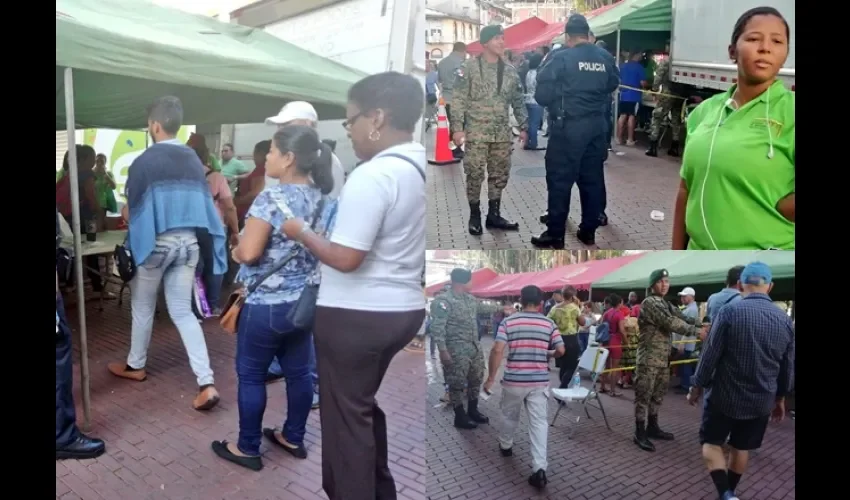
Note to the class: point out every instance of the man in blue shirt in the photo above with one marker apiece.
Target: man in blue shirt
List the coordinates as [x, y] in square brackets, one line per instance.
[746, 370]
[632, 74]
[728, 295]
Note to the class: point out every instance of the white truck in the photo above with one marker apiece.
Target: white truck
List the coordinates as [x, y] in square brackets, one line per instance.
[701, 33]
[369, 35]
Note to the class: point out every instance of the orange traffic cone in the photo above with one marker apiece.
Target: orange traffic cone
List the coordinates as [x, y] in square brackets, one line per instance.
[442, 153]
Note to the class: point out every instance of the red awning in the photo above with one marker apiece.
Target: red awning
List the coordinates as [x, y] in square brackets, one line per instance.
[543, 38]
[515, 35]
[479, 277]
[580, 276]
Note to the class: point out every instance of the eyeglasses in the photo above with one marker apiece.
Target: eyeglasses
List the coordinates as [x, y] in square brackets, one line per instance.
[349, 122]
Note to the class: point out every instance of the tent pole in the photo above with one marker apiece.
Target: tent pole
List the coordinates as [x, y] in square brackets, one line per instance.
[617, 94]
[78, 245]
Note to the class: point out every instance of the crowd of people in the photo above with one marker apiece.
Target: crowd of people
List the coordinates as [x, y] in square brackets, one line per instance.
[741, 390]
[365, 247]
[572, 89]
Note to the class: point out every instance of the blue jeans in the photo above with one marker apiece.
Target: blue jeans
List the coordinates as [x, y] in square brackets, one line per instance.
[686, 371]
[535, 121]
[265, 334]
[277, 371]
[212, 284]
[583, 337]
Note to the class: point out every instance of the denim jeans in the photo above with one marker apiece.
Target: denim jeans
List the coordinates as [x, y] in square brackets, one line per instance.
[172, 263]
[583, 338]
[535, 121]
[265, 334]
[213, 284]
[686, 371]
[277, 371]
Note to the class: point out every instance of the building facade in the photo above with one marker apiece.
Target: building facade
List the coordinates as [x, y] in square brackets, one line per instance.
[444, 29]
[551, 11]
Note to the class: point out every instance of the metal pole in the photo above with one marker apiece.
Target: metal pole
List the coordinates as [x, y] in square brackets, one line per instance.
[78, 246]
[617, 93]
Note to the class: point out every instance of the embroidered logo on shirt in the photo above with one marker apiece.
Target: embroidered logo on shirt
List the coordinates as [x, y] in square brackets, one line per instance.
[761, 124]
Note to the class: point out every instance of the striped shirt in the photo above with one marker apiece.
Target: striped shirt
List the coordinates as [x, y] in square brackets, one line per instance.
[529, 336]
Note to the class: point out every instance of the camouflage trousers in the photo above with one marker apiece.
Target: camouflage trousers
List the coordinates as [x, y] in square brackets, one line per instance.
[650, 387]
[492, 159]
[665, 106]
[465, 371]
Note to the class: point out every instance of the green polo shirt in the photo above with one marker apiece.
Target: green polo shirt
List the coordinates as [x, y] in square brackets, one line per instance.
[732, 201]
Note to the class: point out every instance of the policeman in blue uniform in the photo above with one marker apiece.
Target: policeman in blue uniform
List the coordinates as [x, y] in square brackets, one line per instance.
[575, 84]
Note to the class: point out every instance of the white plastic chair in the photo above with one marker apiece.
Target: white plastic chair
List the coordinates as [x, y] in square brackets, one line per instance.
[593, 360]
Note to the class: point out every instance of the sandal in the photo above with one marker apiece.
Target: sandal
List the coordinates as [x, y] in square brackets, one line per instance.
[297, 452]
[253, 463]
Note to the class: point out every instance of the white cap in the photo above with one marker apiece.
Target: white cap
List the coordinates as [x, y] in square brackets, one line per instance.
[295, 110]
[687, 291]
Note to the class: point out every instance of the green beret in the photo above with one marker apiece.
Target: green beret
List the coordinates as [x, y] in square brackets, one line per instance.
[489, 32]
[461, 276]
[656, 276]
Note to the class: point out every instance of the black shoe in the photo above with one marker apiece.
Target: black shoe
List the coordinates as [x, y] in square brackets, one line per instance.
[674, 149]
[462, 420]
[640, 438]
[587, 237]
[538, 479]
[457, 153]
[475, 228]
[547, 241]
[475, 415]
[271, 377]
[653, 149]
[506, 452]
[495, 219]
[544, 217]
[82, 448]
[253, 463]
[296, 451]
[655, 432]
[603, 220]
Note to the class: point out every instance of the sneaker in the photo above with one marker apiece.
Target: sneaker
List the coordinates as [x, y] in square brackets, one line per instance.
[538, 479]
[630, 143]
[729, 495]
[315, 401]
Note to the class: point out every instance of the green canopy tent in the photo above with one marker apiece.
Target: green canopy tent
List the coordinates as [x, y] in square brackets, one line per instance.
[114, 57]
[705, 272]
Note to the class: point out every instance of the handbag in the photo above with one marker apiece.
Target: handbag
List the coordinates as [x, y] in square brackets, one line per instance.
[229, 319]
[124, 262]
[302, 314]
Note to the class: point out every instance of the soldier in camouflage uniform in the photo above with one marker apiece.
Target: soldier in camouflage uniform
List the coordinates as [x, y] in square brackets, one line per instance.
[663, 106]
[657, 322]
[484, 88]
[455, 330]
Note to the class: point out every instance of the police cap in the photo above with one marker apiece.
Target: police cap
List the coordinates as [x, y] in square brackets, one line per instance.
[577, 25]
[461, 276]
[657, 275]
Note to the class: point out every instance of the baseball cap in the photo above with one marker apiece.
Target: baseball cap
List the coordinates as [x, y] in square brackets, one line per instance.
[295, 110]
[756, 273]
[687, 291]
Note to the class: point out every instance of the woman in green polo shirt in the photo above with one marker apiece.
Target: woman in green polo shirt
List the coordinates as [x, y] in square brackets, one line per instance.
[738, 172]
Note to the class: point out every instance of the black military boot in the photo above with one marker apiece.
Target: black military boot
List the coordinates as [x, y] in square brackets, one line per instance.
[653, 149]
[475, 219]
[674, 149]
[655, 432]
[495, 219]
[462, 420]
[538, 479]
[544, 217]
[640, 438]
[603, 219]
[475, 415]
[546, 240]
[586, 236]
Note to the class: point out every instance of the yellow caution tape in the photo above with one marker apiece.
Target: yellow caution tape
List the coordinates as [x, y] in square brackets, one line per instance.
[630, 368]
[683, 112]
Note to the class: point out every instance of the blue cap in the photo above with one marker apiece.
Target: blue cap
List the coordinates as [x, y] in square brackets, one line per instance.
[756, 273]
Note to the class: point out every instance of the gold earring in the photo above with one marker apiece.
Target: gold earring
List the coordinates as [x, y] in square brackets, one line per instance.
[375, 135]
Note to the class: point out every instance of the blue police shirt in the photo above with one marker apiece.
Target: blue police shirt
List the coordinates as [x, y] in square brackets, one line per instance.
[580, 78]
[631, 74]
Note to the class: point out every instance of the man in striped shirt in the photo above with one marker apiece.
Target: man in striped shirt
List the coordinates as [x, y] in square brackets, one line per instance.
[531, 339]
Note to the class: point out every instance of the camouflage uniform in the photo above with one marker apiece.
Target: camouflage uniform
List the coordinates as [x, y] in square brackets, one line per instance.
[480, 109]
[663, 107]
[454, 327]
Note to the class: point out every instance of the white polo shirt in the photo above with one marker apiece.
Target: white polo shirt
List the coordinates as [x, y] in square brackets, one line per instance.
[381, 211]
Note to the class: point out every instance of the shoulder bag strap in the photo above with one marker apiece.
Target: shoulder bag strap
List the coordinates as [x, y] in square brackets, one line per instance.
[408, 160]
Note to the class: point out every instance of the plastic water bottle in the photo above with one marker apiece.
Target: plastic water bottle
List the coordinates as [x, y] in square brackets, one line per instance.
[576, 381]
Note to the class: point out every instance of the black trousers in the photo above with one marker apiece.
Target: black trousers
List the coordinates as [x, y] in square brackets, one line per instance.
[66, 415]
[569, 361]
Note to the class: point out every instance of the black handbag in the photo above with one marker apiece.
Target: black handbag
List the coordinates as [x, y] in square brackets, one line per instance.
[124, 262]
[302, 314]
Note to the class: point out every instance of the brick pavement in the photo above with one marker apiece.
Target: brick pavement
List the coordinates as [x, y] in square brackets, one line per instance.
[596, 464]
[159, 448]
[636, 185]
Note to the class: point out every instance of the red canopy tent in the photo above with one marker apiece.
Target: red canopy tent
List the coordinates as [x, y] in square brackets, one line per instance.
[544, 38]
[479, 277]
[580, 276]
[515, 35]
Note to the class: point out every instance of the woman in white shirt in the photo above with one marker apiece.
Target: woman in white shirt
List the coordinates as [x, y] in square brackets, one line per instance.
[370, 302]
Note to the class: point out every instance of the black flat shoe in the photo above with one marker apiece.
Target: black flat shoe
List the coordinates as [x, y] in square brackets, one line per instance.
[82, 448]
[298, 452]
[253, 463]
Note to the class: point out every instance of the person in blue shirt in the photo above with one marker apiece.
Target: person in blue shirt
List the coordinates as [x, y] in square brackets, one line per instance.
[575, 84]
[632, 74]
